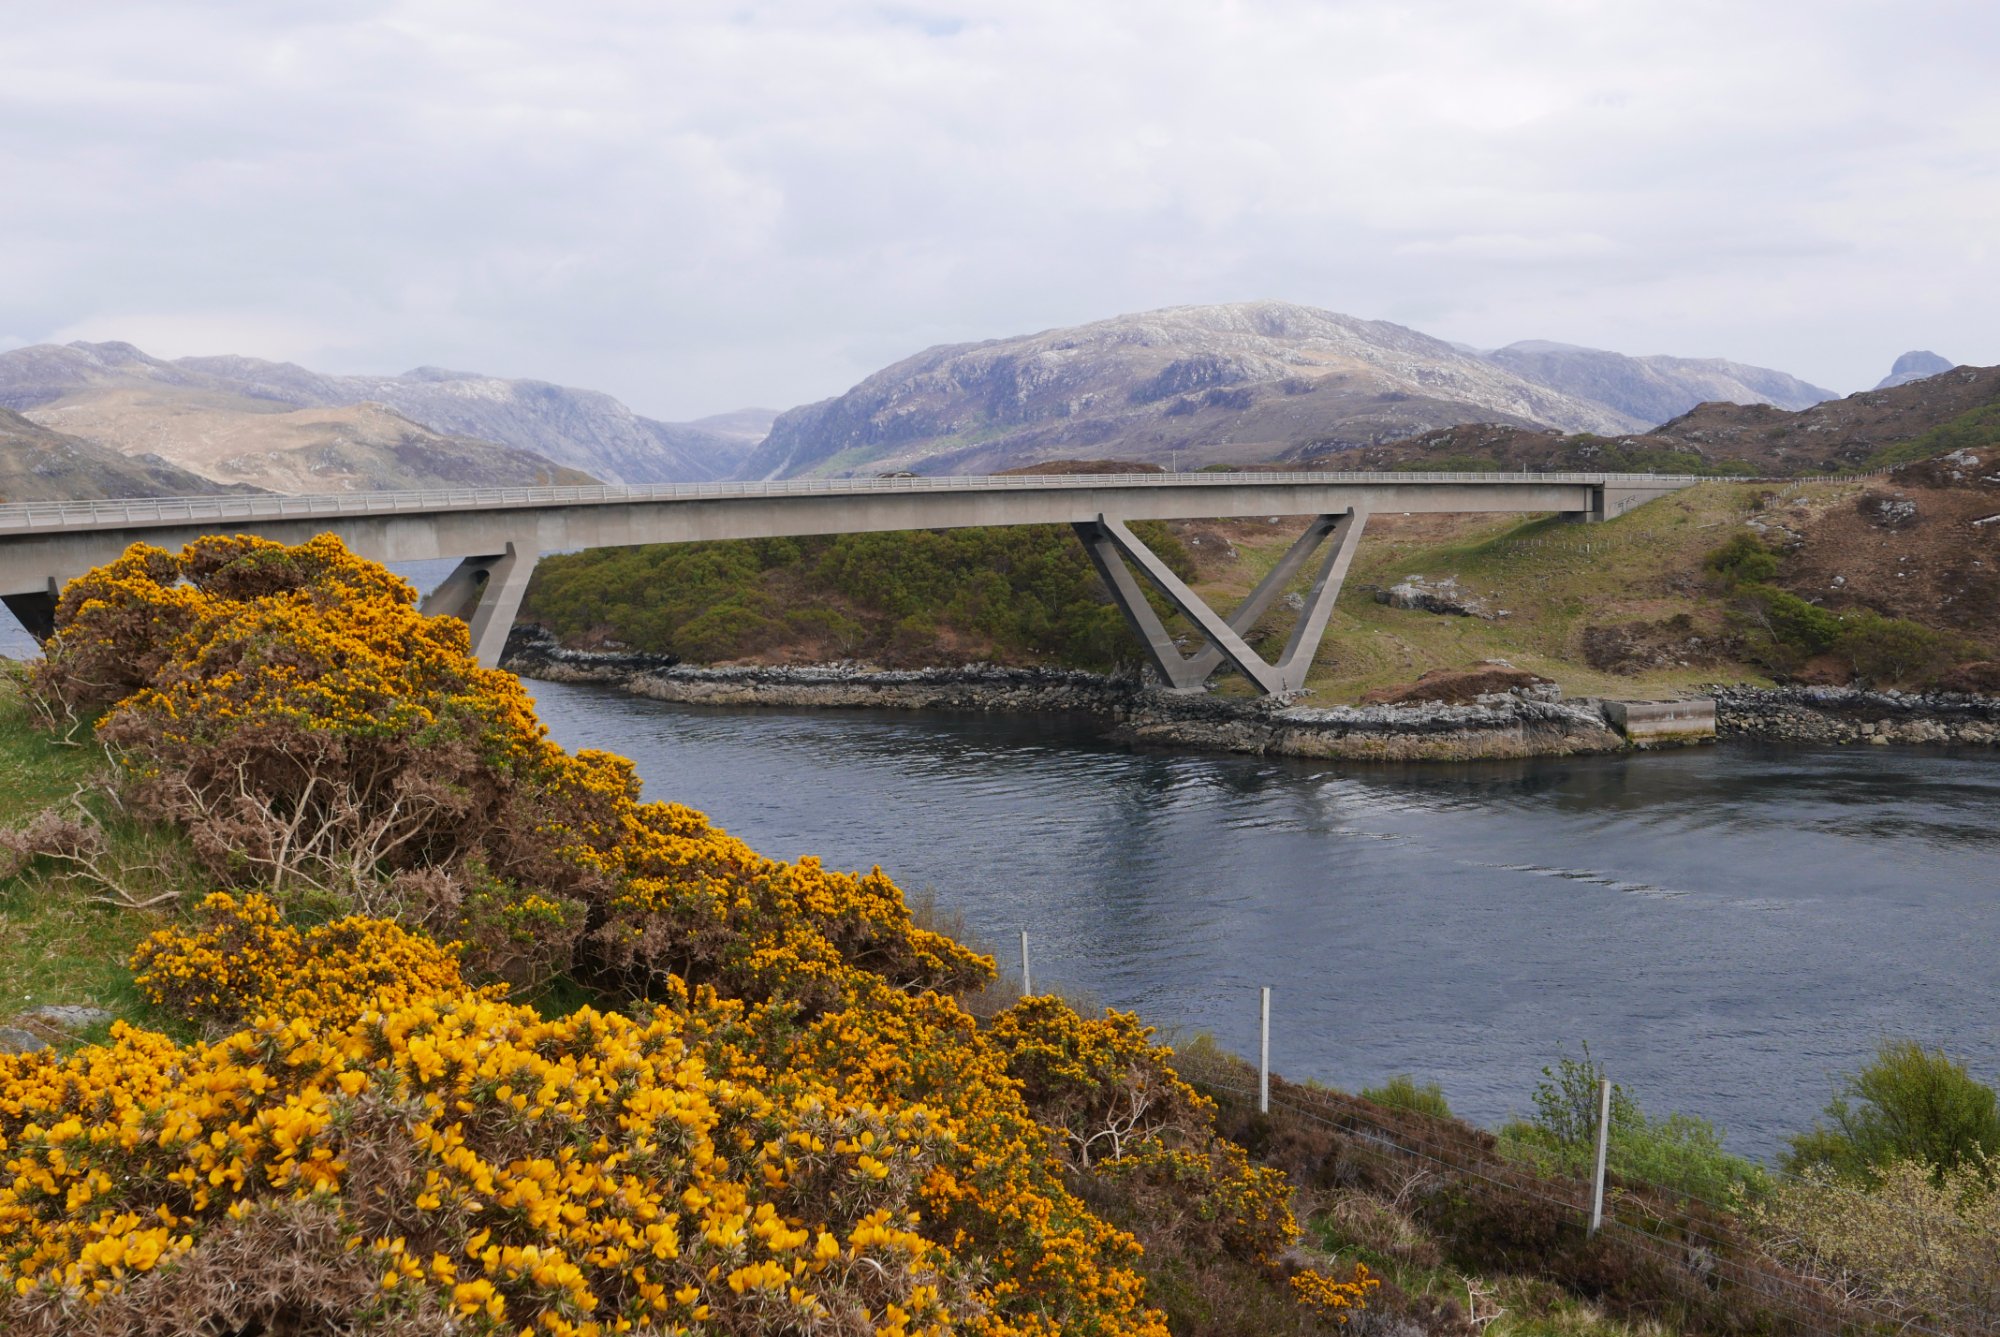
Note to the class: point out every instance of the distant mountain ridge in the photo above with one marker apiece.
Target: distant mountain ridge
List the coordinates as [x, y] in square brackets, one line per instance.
[1229, 384]
[563, 429]
[1654, 389]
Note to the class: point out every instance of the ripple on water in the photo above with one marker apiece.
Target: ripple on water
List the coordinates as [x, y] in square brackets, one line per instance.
[1772, 913]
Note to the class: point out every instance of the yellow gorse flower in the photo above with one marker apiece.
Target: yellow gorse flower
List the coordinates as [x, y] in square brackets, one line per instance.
[797, 1129]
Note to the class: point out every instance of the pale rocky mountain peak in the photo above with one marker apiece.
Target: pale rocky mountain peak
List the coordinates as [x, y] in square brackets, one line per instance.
[1915, 365]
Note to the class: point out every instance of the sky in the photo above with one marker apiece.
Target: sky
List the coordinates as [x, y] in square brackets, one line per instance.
[700, 206]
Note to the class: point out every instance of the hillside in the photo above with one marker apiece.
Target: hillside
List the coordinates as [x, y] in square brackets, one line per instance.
[1232, 384]
[37, 464]
[359, 448]
[1867, 430]
[581, 430]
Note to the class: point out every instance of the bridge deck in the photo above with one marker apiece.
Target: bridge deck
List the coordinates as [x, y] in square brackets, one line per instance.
[45, 516]
[499, 533]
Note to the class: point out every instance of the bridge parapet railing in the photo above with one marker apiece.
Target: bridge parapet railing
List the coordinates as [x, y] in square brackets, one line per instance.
[18, 517]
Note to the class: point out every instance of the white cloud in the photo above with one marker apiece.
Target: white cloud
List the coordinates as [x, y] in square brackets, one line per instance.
[718, 202]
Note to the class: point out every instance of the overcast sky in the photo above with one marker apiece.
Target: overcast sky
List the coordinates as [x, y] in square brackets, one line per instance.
[698, 206]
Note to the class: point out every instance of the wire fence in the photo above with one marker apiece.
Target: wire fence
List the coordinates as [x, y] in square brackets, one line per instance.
[1685, 1233]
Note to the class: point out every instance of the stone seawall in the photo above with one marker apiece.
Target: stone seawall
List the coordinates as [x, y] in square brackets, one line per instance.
[1501, 726]
[1853, 715]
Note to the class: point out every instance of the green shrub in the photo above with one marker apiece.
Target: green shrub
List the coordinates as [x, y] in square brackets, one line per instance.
[1402, 1092]
[1744, 558]
[1681, 1152]
[1911, 1103]
[1890, 650]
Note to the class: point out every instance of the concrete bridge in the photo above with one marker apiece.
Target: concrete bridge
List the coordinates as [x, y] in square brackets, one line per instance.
[499, 533]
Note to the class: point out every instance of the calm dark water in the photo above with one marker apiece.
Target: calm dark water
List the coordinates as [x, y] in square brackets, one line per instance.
[1728, 928]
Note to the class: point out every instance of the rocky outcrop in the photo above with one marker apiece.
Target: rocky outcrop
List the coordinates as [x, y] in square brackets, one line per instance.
[1823, 715]
[1440, 595]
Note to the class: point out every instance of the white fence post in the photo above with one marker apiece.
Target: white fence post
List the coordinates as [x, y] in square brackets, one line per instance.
[1264, 1054]
[1603, 1146]
[1027, 981]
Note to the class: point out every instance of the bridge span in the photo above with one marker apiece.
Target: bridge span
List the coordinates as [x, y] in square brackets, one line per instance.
[499, 533]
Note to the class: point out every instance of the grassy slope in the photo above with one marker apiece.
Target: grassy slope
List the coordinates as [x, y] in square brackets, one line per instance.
[1553, 577]
[56, 946]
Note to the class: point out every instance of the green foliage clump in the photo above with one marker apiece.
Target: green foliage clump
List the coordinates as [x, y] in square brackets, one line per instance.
[1022, 594]
[1402, 1092]
[1781, 630]
[1680, 1152]
[1910, 1104]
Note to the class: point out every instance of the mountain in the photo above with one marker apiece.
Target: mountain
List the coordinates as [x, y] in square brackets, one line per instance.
[568, 429]
[1653, 389]
[37, 464]
[357, 448]
[584, 429]
[1913, 366]
[1956, 410]
[1204, 384]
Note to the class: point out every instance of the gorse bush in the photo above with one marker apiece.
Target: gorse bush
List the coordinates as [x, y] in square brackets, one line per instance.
[791, 1127]
[1022, 594]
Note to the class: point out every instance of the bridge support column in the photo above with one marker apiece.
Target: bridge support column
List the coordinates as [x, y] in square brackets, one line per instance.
[36, 610]
[485, 592]
[1111, 545]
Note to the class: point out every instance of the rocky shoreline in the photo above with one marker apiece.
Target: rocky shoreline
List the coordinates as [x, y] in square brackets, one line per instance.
[1854, 715]
[1498, 726]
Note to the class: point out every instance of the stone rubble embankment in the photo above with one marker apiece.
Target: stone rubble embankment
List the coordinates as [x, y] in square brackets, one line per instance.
[1856, 715]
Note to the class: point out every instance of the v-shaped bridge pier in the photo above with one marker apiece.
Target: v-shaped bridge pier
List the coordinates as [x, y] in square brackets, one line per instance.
[1111, 546]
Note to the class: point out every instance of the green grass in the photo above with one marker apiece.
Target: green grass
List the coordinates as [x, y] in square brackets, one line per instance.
[1555, 578]
[56, 945]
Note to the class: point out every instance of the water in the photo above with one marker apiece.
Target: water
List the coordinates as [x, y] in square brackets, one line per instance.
[1729, 928]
